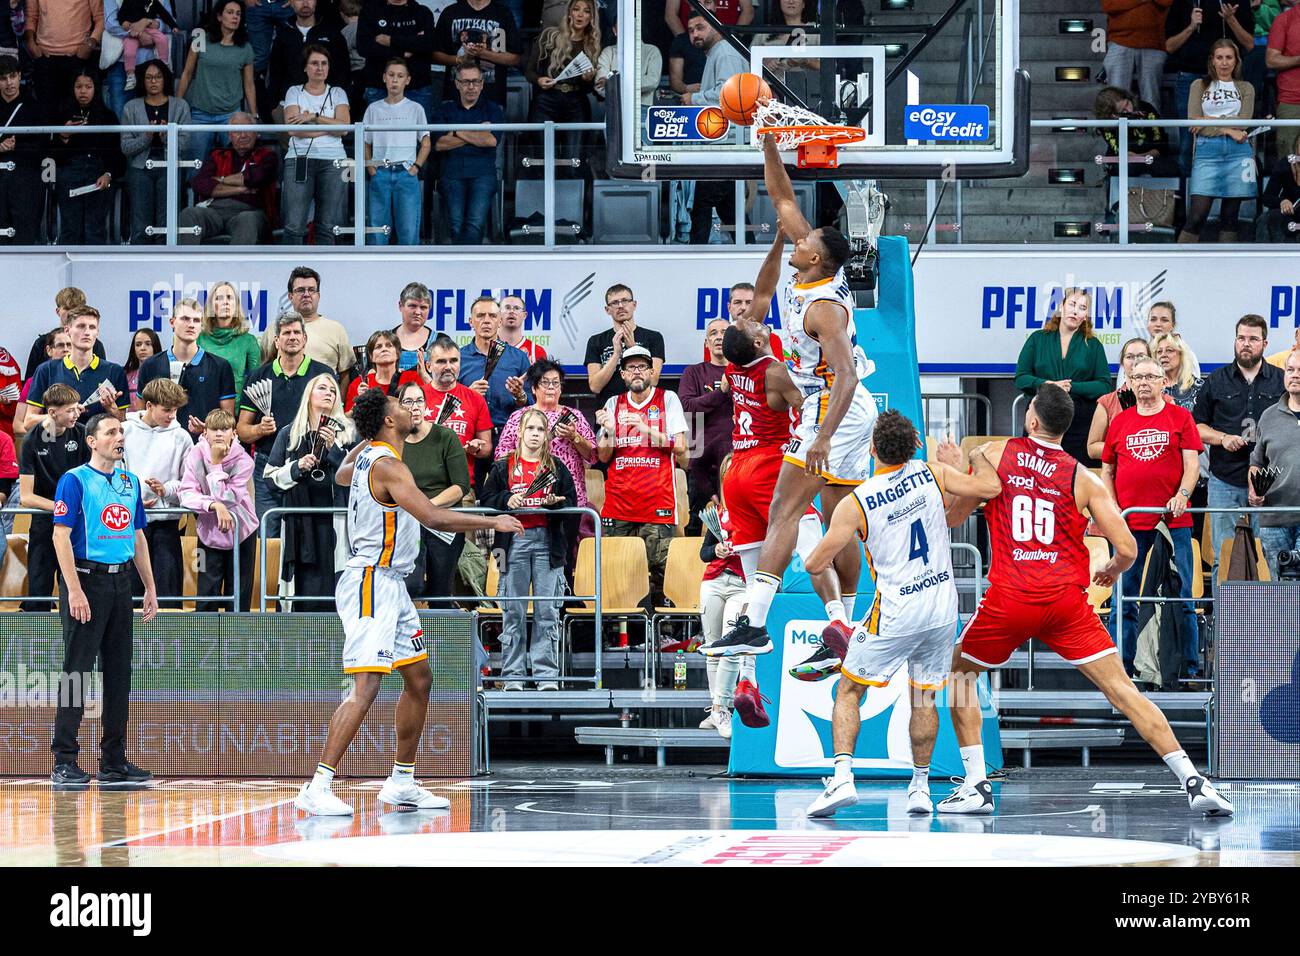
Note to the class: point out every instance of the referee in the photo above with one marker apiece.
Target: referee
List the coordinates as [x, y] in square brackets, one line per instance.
[99, 523]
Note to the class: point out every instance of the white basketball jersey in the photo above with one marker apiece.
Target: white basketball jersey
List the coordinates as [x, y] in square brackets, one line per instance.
[905, 536]
[382, 535]
[803, 353]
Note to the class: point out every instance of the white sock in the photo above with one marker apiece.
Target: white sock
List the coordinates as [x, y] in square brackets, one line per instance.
[747, 664]
[843, 767]
[920, 778]
[849, 599]
[725, 686]
[1181, 765]
[404, 772]
[323, 778]
[972, 758]
[758, 595]
[835, 612]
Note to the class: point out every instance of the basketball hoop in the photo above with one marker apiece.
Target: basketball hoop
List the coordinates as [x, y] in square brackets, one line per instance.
[816, 141]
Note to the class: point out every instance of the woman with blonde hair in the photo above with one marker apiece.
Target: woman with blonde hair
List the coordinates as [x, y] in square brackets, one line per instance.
[1067, 353]
[225, 333]
[565, 101]
[302, 465]
[1112, 403]
[1182, 371]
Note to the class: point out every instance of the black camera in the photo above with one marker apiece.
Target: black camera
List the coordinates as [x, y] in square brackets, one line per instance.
[1288, 565]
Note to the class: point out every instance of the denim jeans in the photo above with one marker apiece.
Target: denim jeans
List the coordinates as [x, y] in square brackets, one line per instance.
[202, 142]
[1126, 64]
[1182, 90]
[529, 562]
[148, 191]
[1133, 588]
[394, 199]
[1274, 540]
[467, 202]
[423, 96]
[260, 21]
[326, 187]
[1223, 495]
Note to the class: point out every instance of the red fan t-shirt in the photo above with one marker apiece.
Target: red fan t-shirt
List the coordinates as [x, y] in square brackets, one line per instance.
[1147, 452]
[522, 474]
[471, 418]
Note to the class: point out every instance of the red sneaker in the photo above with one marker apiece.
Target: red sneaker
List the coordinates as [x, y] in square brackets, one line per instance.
[836, 636]
[749, 705]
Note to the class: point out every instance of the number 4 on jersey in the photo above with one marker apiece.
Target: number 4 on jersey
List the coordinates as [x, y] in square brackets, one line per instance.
[920, 547]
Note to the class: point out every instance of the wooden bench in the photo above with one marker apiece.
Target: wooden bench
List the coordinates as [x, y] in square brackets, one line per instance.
[1029, 739]
[660, 738]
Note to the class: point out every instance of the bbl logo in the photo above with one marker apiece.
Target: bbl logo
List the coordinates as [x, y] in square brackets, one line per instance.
[685, 124]
[116, 517]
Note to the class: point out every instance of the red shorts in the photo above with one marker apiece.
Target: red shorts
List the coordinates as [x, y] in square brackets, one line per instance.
[747, 490]
[1067, 624]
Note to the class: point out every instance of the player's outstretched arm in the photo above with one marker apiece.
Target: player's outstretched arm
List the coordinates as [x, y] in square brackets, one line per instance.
[781, 191]
[846, 521]
[962, 507]
[1091, 494]
[769, 277]
[394, 479]
[982, 484]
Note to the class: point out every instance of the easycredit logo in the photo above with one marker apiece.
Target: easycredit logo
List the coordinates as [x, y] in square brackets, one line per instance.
[946, 122]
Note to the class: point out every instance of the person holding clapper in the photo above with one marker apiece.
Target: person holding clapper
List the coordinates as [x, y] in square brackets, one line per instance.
[562, 65]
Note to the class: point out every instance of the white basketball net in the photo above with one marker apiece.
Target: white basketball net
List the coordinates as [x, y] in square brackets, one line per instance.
[775, 113]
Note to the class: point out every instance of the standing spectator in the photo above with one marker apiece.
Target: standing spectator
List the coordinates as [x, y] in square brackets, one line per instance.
[57, 446]
[504, 390]
[350, 14]
[225, 333]
[605, 349]
[441, 472]
[156, 448]
[1190, 30]
[1112, 403]
[565, 101]
[1283, 55]
[60, 344]
[206, 379]
[413, 335]
[8, 34]
[722, 62]
[1276, 447]
[21, 191]
[708, 410]
[216, 482]
[88, 159]
[313, 178]
[1161, 318]
[1223, 167]
[11, 386]
[1152, 460]
[482, 30]
[327, 340]
[729, 12]
[1227, 410]
[397, 28]
[1282, 195]
[263, 17]
[394, 162]
[65, 301]
[148, 187]
[236, 190]
[218, 76]
[288, 374]
[470, 422]
[535, 557]
[513, 315]
[1255, 60]
[145, 344]
[62, 38]
[642, 437]
[301, 467]
[652, 68]
[8, 479]
[382, 348]
[312, 22]
[1182, 372]
[100, 385]
[127, 21]
[1067, 353]
[1135, 45]
[468, 179]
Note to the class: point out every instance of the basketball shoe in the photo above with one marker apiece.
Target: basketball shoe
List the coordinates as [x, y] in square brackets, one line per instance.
[749, 705]
[826, 660]
[969, 798]
[742, 639]
[397, 793]
[321, 802]
[1202, 796]
[837, 794]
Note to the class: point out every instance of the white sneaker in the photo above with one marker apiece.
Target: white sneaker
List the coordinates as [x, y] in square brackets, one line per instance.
[549, 685]
[722, 722]
[512, 685]
[836, 795]
[918, 801]
[1202, 796]
[708, 723]
[320, 803]
[408, 793]
[969, 798]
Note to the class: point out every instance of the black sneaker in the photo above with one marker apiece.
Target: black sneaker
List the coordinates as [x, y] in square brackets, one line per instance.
[123, 773]
[69, 773]
[823, 663]
[741, 640]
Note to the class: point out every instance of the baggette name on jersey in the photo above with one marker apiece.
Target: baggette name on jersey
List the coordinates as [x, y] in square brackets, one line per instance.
[904, 487]
[919, 586]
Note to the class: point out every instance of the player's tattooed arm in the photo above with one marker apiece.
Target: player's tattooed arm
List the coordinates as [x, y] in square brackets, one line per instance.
[983, 483]
[781, 190]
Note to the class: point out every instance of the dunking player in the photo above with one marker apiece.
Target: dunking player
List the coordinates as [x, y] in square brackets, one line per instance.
[826, 454]
[898, 513]
[380, 624]
[1038, 588]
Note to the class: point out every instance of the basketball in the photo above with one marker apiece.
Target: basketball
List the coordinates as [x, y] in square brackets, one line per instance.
[740, 96]
[711, 123]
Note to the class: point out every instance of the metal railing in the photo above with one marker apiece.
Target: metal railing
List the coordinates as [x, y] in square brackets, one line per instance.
[970, 401]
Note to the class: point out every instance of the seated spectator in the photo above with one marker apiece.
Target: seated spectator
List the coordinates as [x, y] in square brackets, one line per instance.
[216, 485]
[21, 191]
[86, 160]
[313, 22]
[59, 344]
[413, 335]
[441, 472]
[1153, 141]
[1282, 195]
[155, 452]
[572, 441]
[327, 340]
[728, 12]
[652, 68]
[513, 314]
[1142, 472]
[605, 349]
[484, 31]
[708, 409]
[206, 379]
[100, 386]
[405, 28]
[301, 467]
[1182, 371]
[468, 177]
[236, 192]
[145, 344]
[1135, 46]
[65, 301]
[1112, 403]
[312, 177]
[59, 445]
[217, 80]
[155, 106]
[467, 416]
[565, 101]
[534, 558]
[503, 389]
[1222, 152]
[394, 162]
[383, 349]
[685, 62]
[225, 333]
[1276, 447]
[553, 12]
[722, 584]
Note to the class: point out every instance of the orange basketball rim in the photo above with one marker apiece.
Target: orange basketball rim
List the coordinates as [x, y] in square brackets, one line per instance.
[817, 147]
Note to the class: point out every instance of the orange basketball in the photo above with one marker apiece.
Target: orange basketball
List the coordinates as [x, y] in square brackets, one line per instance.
[740, 96]
[711, 123]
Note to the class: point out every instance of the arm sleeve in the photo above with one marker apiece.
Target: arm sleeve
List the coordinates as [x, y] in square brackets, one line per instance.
[707, 545]
[1191, 437]
[133, 143]
[1194, 100]
[36, 394]
[138, 512]
[118, 378]
[27, 459]
[533, 68]
[675, 418]
[1203, 410]
[225, 379]
[496, 490]
[206, 179]
[457, 463]
[67, 501]
[583, 428]
[148, 372]
[1110, 451]
[482, 417]
[194, 495]
[592, 354]
[265, 171]
[690, 390]
[1098, 381]
[652, 67]
[280, 471]
[1027, 379]
[1247, 96]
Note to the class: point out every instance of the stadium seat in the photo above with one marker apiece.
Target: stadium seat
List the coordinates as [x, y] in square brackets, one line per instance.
[13, 573]
[528, 225]
[683, 575]
[1225, 553]
[1098, 555]
[22, 524]
[974, 441]
[595, 488]
[624, 212]
[624, 582]
[190, 585]
[760, 220]
[272, 574]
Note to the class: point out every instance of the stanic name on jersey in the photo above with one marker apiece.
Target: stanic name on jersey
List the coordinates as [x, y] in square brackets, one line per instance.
[904, 487]
[1035, 463]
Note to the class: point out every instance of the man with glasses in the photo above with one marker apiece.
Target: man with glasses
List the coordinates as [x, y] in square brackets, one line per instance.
[327, 340]
[1151, 459]
[469, 156]
[504, 389]
[605, 349]
[469, 420]
[513, 314]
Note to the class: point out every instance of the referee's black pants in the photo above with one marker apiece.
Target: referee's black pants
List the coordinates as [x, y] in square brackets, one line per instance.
[106, 636]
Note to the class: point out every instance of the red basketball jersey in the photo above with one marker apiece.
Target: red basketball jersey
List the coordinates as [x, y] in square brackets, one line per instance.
[755, 426]
[1035, 529]
[639, 486]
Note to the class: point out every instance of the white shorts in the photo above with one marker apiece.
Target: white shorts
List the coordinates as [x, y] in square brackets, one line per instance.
[873, 659]
[850, 458]
[380, 624]
[810, 535]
